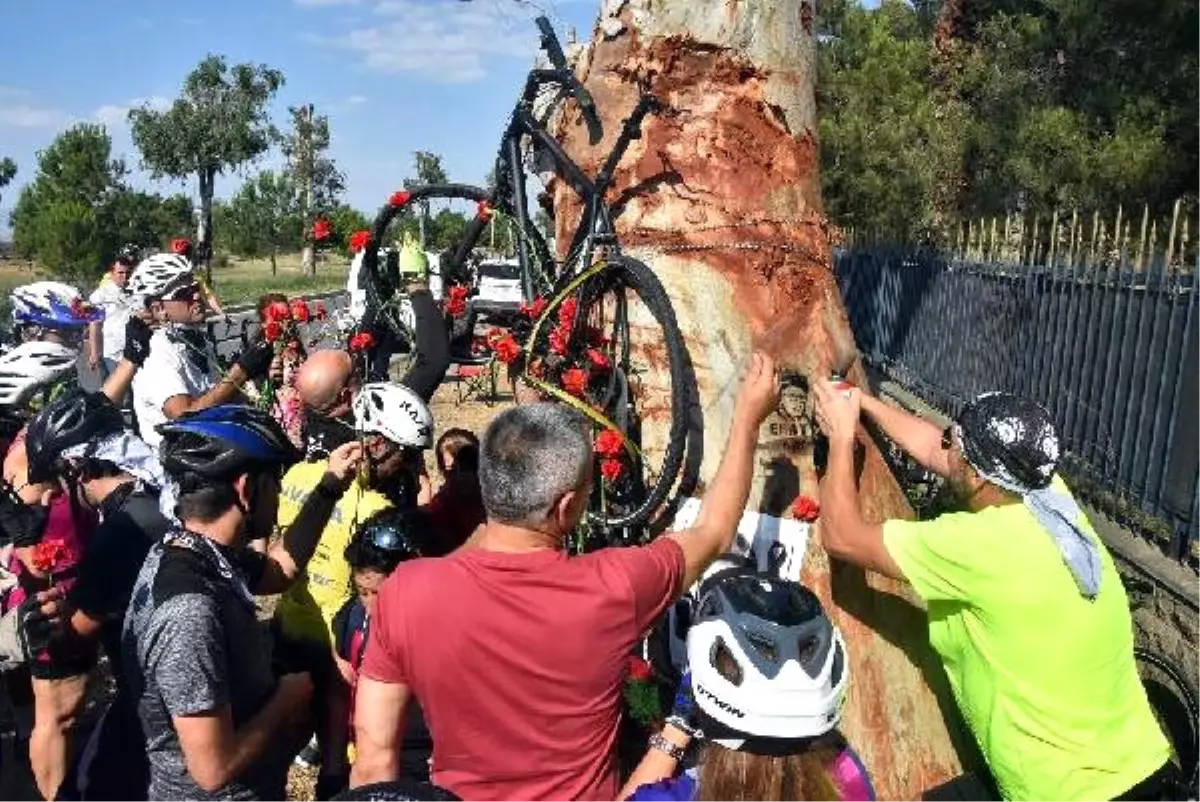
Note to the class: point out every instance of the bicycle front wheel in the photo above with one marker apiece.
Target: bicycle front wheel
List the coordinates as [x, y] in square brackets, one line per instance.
[609, 344]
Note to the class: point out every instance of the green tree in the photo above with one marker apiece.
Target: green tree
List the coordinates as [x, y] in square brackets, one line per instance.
[144, 219]
[885, 141]
[429, 171]
[263, 218]
[316, 177]
[345, 220]
[8, 171]
[59, 216]
[220, 121]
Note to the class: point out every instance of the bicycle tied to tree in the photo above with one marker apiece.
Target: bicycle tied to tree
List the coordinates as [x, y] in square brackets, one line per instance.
[574, 340]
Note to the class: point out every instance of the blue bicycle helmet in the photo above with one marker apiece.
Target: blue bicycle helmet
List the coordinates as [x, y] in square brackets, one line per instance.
[223, 442]
[52, 304]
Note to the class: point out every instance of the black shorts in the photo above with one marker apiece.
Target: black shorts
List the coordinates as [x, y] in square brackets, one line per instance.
[60, 663]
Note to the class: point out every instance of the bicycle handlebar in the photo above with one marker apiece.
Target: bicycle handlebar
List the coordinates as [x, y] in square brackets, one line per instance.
[558, 59]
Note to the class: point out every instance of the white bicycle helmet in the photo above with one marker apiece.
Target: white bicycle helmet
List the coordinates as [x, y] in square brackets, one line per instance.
[52, 304]
[769, 669]
[394, 411]
[157, 274]
[31, 366]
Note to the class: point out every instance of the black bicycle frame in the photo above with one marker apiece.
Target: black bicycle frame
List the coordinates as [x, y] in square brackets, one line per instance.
[595, 223]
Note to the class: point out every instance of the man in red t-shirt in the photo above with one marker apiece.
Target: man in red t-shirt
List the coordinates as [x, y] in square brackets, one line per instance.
[517, 652]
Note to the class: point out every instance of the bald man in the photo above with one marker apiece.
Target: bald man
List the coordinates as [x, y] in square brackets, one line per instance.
[328, 380]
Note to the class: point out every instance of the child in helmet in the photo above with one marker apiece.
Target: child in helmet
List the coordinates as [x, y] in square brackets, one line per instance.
[768, 673]
[387, 539]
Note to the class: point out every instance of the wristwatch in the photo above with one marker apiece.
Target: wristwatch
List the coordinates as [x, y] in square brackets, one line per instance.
[657, 741]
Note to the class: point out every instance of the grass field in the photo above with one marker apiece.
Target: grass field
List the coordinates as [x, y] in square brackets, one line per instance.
[241, 281]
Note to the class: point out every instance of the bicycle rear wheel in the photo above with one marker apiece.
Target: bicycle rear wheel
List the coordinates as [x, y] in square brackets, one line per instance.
[606, 349]
[482, 210]
[1174, 702]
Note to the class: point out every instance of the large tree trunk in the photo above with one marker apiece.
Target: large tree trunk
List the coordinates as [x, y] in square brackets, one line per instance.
[721, 197]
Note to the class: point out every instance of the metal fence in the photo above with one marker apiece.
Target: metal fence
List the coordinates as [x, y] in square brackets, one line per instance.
[1109, 350]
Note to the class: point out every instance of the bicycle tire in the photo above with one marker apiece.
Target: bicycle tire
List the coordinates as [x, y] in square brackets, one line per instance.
[541, 260]
[1186, 753]
[624, 272]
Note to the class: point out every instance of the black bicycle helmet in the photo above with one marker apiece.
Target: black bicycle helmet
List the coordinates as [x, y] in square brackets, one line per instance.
[389, 537]
[76, 418]
[223, 442]
[129, 255]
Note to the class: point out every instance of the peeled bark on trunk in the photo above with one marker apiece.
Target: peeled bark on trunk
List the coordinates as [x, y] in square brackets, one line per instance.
[721, 197]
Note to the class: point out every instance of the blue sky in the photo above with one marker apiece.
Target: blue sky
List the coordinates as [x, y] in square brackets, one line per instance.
[394, 76]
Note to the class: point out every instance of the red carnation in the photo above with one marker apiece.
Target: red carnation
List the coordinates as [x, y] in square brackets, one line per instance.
[806, 508]
[456, 302]
[279, 311]
[485, 210]
[359, 240]
[575, 381]
[400, 198]
[567, 312]
[506, 348]
[300, 311]
[534, 309]
[558, 341]
[611, 469]
[640, 670]
[321, 229]
[272, 330]
[363, 341]
[598, 359]
[181, 246]
[609, 443]
[320, 312]
[48, 555]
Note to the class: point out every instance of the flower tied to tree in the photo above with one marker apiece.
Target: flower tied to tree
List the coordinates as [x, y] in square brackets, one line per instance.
[534, 309]
[575, 381]
[456, 300]
[484, 210]
[359, 240]
[598, 359]
[362, 341]
[503, 345]
[321, 230]
[400, 198]
[181, 246]
[610, 447]
[300, 312]
[641, 693]
[806, 508]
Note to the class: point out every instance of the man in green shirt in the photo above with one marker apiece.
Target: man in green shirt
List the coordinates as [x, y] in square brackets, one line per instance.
[1025, 607]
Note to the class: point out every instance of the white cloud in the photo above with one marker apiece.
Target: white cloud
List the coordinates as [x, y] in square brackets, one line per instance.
[448, 43]
[115, 115]
[355, 100]
[25, 115]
